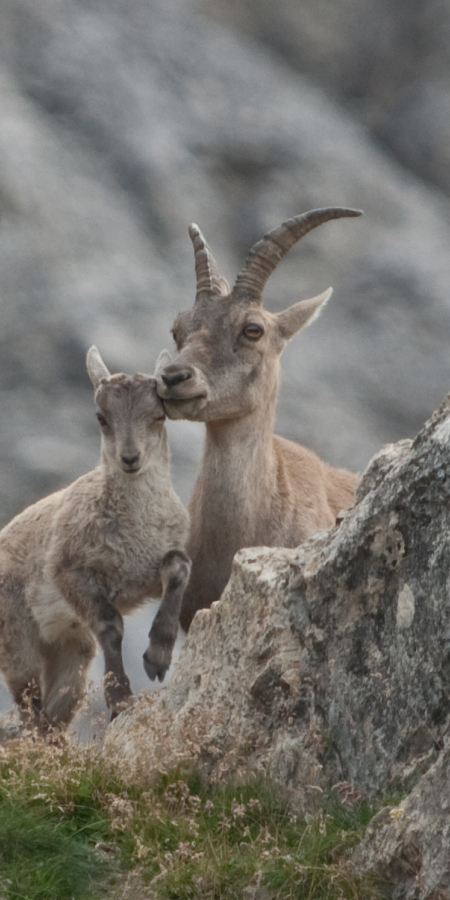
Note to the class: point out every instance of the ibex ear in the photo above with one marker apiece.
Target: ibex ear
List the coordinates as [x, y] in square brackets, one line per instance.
[96, 367]
[300, 315]
[164, 359]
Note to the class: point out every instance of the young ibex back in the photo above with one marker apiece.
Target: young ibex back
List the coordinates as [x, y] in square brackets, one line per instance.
[254, 488]
[73, 563]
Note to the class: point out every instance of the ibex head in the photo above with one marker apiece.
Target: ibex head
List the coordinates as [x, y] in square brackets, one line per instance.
[130, 414]
[228, 344]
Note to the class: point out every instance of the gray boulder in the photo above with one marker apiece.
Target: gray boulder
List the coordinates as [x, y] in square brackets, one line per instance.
[328, 664]
[407, 846]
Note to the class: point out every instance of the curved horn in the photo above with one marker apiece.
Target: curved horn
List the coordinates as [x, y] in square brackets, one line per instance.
[266, 254]
[208, 280]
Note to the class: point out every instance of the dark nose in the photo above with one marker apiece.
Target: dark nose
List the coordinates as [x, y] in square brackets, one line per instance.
[130, 460]
[174, 375]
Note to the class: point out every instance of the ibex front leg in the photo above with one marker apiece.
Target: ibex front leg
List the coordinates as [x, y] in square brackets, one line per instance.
[109, 633]
[175, 570]
[91, 596]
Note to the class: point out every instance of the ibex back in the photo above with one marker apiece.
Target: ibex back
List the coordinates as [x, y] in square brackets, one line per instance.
[254, 488]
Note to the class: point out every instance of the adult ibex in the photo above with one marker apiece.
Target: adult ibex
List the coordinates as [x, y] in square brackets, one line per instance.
[254, 488]
[73, 563]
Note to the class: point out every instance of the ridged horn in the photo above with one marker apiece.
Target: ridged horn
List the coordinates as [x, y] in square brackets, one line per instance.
[266, 254]
[207, 275]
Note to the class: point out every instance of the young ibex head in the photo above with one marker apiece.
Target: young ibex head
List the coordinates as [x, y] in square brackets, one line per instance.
[130, 413]
[228, 344]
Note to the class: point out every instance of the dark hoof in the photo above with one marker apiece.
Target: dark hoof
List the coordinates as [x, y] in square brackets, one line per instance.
[120, 706]
[154, 669]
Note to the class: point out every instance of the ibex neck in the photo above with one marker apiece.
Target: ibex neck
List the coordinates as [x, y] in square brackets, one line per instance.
[239, 456]
[255, 428]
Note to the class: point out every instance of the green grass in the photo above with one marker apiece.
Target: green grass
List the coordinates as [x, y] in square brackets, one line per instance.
[243, 836]
[42, 857]
[70, 828]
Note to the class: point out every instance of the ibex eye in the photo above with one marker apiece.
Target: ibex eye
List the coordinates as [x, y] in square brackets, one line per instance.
[102, 420]
[253, 331]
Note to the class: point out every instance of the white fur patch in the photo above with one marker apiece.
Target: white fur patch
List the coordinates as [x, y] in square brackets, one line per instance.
[54, 616]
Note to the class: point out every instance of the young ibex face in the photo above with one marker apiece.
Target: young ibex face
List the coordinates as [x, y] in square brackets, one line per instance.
[130, 413]
[228, 344]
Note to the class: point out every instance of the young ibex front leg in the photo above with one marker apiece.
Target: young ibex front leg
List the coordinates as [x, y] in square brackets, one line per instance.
[91, 596]
[109, 633]
[175, 571]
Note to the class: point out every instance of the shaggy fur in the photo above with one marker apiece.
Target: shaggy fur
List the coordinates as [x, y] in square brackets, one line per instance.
[72, 564]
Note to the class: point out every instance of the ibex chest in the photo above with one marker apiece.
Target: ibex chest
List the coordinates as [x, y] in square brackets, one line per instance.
[122, 545]
[133, 550]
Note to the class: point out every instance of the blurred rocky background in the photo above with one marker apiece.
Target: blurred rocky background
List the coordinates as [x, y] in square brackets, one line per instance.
[121, 121]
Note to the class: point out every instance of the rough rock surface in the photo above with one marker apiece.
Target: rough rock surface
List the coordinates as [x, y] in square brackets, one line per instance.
[408, 845]
[328, 663]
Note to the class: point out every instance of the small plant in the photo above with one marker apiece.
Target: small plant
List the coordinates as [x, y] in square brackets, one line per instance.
[70, 828]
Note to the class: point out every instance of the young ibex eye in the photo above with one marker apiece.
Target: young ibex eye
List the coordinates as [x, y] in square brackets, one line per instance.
[102, 420]
[253, 331]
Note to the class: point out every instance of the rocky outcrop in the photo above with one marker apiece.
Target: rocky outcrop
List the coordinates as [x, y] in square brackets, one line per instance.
[408, 845]
[325, 664]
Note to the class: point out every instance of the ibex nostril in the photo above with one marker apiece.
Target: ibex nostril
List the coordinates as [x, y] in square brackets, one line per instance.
[172, 379]
[130, 460]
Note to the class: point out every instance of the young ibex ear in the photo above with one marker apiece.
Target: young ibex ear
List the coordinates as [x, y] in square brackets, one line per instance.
[300, 315]
[164, 359]
[96, 367]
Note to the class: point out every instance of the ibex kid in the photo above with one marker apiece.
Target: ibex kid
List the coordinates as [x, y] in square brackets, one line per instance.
[73, 563]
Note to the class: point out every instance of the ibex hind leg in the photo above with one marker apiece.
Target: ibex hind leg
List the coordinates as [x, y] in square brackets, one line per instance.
[175, 571]
[20, 656]
[22, 672]
[27, 695]
[64, 680]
